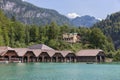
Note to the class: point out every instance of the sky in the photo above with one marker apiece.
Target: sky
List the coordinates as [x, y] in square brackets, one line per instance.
[73, 8]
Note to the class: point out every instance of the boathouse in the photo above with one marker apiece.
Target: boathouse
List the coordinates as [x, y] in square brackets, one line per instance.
[91, 55]
[44, 57]
[69, 56]
[25, 55]
[46, 53]
[57, 57]
[8, 54]
[43, 53]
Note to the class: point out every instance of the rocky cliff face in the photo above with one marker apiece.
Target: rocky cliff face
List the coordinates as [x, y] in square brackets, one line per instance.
[30, 14]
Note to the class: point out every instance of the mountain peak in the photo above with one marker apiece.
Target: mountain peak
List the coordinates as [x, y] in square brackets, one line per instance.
[30, 14]
[86, 21]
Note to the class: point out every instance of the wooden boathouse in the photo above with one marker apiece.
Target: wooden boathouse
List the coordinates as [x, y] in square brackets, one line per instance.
[8, 54]
[43, 53]
[91, 55]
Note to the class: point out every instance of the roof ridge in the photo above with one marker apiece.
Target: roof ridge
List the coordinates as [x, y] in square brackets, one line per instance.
[40, 46]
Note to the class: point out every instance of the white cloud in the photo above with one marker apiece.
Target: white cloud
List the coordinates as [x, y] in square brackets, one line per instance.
[73, 15]
[99, 19]
[24, 0]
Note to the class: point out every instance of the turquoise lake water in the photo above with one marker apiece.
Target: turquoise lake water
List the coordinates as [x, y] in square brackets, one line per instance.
[59, 71]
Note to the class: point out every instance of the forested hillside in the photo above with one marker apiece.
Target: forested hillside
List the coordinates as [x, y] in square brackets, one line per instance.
[16, 34]
[111, 28]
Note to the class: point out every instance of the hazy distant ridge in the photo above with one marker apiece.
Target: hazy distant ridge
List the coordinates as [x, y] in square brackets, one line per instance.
[30, 14]
[84, 21]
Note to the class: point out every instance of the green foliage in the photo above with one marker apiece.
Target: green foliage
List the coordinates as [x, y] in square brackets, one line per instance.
[53, 31]
[34, 33]
[16, 34]
[99, 40]
[116, 57]
[111, 28]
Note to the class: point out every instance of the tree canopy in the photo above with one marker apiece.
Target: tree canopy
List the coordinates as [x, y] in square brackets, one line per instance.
[16, 34]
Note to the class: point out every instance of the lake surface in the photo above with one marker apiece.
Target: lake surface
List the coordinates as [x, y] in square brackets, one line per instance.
[59, 71]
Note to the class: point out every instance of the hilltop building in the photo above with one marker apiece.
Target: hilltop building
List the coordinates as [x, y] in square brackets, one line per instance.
[71, 37]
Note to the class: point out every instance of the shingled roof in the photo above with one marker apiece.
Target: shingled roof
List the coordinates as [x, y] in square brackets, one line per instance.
[89, 52]
[50, 52]
[65, 53]
[4, 49]
[37, 52]
[40, 46]
[21, 51]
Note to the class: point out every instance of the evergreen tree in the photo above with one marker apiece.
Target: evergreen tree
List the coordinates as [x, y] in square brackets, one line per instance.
[53, 31]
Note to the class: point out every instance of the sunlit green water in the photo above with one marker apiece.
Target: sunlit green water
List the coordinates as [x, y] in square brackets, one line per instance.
[59, 71]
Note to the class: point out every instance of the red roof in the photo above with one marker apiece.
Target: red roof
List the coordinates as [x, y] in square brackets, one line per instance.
[89, 52]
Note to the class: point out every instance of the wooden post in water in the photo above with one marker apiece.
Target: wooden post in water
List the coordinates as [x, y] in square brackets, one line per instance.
[28, 59]
[42, 58]
[9, 59]
[22, 59]
[56, 59]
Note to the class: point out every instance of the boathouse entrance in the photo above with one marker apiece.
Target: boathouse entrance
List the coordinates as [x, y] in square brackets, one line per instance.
[44, 57]
[57, 57]
[29, 57]
[100, 57]
[11, 56]
[70, 57]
